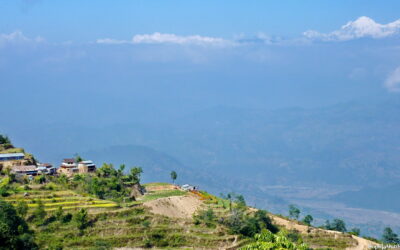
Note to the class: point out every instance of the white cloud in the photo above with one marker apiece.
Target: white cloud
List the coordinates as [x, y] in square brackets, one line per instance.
[362, 27]
[17, 37]
[111, 41]
[162, 38]
[392, 82]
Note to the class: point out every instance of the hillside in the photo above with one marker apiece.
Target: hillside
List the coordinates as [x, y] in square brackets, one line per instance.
[274, 157]
[6, 147]
[164, 217]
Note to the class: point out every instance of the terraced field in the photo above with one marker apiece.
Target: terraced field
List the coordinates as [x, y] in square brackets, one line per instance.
[66, 199]
[129, 224]
[137, 227]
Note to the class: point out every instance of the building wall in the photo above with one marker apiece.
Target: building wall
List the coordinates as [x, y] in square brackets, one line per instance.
[9, 164]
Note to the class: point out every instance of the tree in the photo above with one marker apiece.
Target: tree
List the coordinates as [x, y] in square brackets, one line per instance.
[294, 212]
[265, 221]
[78, 158]
[134, 175]
[308, 219]
[389, 236]
[174, 175]
[229, 197]
[337, 225]
[14, 232]
[22, 208]
[120, 171]
[81, 219]
[5, 140]
[39, 212]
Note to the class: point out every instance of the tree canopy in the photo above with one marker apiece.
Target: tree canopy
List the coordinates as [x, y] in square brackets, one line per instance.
[174, 175]
[389, 236]
[294, 212]
[14, 232]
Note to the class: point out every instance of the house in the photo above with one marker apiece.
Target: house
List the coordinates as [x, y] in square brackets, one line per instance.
[25, 170]
[11, 159]
[86, 167]
[68, 167]
[46, 168]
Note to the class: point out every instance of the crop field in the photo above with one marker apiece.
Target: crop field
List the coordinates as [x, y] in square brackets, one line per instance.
[52, 200]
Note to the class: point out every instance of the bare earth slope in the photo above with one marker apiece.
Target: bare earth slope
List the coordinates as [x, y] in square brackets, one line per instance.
[175, 206]
[184, 206]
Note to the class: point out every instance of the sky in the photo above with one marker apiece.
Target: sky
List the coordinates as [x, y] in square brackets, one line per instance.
[158, 58]
[84, 21]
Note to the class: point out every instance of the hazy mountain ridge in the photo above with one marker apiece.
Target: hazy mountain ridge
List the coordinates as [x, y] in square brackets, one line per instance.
[350, 145]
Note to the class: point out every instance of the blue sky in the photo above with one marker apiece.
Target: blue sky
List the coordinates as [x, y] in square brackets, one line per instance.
[163, 57]
[84, 21]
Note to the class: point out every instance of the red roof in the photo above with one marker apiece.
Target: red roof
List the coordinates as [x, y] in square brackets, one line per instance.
[69, 160]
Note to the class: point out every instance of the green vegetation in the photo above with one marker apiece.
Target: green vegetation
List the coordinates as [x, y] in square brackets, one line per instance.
[390, 237]
[308, 219]
[108, 183]
[355, 231]
[5, 143]
[269, 241]
[14, 232]
[174, 175]
[294, 212]
[336, 224]
[161, 194]
[323, 240]
[100, 211]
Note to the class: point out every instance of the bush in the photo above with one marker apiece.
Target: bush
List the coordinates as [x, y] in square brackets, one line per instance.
[81, 219]
[66, 218]
[267, 240]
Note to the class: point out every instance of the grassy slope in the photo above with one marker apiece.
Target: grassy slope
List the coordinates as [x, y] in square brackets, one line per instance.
[133, 225]
[117, 225]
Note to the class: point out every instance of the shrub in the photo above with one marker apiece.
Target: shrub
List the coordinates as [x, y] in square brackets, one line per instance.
[81, 219]
[267, 240]
[66, 218]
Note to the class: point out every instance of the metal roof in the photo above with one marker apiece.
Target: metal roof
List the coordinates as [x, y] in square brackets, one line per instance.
[12, 155]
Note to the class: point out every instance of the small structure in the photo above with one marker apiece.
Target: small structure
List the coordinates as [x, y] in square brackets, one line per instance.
[12, 157]
[187, 187]
[25, 170]
[68, 167]
[86, 167]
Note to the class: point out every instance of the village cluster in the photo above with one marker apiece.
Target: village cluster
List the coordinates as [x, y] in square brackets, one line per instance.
[17, 164]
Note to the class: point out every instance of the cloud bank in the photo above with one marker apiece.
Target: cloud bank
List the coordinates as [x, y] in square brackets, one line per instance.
[392, 82]
[360, 28]
[163, 38]
[17, 37]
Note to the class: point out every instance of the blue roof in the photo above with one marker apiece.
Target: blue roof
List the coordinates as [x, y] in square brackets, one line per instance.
[12, 155]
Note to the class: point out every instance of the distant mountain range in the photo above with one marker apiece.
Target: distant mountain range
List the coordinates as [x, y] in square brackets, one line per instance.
[341, 149]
